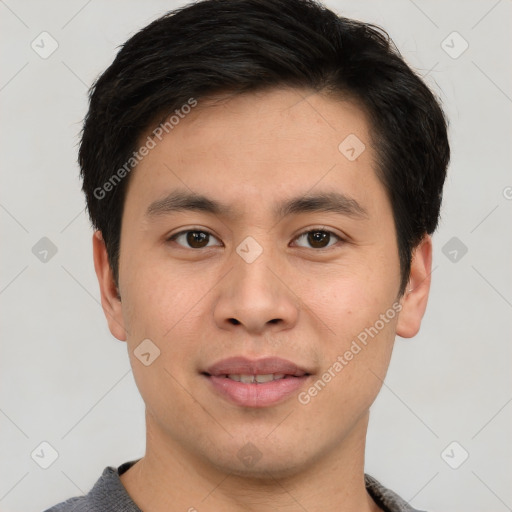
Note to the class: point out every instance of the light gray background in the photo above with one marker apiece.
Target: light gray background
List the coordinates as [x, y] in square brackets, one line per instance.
[65, 380]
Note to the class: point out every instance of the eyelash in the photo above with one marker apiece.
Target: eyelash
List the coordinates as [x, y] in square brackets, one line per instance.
[173, 238]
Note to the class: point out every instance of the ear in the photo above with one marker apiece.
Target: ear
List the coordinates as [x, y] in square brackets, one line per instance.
[110, 300]
[414, 301]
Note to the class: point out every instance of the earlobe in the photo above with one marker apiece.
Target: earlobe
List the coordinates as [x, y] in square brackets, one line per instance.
[414, 301]
[110, 299]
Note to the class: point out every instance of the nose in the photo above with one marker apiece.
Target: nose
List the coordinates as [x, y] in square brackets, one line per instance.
[256, 297]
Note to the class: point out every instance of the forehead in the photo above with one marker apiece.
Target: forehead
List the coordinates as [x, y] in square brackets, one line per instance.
[256, 146]
[256, 119]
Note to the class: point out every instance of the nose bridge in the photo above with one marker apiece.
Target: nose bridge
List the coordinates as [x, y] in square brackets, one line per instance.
[252, 275]
[253, 295]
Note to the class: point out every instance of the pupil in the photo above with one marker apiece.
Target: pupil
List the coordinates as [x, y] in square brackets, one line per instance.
[317, 237]
[194, 238]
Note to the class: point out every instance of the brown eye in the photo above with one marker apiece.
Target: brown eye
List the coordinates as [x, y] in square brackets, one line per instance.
[192, 239]
[197, 239]
[318, 239]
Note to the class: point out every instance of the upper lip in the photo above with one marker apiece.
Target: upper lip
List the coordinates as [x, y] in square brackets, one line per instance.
[244, 366]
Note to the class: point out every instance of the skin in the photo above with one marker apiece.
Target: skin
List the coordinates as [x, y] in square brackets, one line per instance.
[297, 301]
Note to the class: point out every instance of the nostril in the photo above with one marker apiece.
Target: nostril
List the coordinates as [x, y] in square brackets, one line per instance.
[234, 321]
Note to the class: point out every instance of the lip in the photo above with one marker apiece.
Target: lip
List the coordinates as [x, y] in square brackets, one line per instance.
[256, 395]
[246, 366]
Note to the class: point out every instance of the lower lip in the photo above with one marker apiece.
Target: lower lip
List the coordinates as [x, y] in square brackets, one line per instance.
[257, 395]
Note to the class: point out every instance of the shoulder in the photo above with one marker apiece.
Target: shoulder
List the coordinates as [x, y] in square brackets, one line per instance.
[108, 494]
[385, 498]
[78, 504]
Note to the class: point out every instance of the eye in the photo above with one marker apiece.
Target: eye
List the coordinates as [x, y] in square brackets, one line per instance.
[318, 238]
[195, 238]
[200, 239]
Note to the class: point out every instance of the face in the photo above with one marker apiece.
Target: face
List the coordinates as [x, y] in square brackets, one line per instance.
[255, 243]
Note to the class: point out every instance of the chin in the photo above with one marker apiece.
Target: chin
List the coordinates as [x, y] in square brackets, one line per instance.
[261, 461]
[263, 472]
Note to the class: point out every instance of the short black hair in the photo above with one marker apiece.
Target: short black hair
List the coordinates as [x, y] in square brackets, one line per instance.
[237, 46]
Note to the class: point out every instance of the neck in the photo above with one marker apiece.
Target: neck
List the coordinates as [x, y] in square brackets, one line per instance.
[169, 478]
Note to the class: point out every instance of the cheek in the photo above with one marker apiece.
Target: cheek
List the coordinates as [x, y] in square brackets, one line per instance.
[359, 319]
[353, 371]
[156, 301]
[160, 308]
[346, 302]
[164, 309]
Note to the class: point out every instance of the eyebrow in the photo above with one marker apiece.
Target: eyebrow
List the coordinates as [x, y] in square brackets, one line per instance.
[182, 200]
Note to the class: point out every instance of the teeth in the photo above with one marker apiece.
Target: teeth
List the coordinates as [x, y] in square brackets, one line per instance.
[251, 379]
[264, 378]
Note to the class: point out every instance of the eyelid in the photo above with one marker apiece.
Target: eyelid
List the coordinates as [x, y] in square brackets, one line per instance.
[341, 238]
[191, 229]
[324, 229]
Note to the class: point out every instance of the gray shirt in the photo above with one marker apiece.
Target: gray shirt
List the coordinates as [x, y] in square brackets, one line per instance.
[109, 495]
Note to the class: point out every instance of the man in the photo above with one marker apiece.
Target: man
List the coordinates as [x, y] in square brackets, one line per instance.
[263, 177]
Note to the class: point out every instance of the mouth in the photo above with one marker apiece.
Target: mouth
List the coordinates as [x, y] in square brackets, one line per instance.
[256, 379]
[256, 383]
